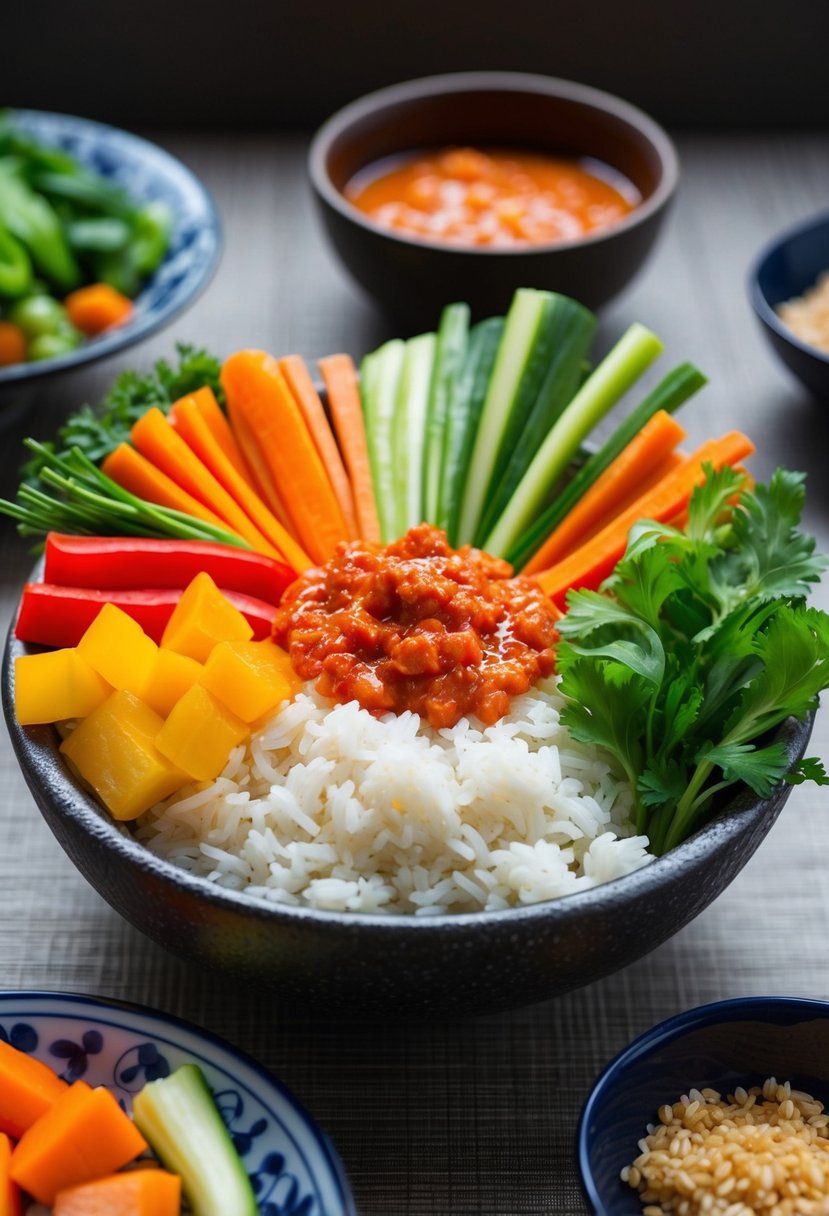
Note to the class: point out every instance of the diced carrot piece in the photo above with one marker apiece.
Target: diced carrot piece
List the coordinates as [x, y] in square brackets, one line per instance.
[11, 1201]
[148, 1192]
[97, 307]
[27, 1090]
[84, 1135]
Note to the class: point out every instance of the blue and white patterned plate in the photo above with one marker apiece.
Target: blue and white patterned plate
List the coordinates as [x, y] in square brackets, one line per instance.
[291, 1162]
[145, 172]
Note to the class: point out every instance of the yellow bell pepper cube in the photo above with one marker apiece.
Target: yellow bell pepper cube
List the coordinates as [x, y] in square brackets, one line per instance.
[119, 649]
[202, 618]
[250, 678]
[114, 751]
[200, 734]
[56, 685]
[169, 679]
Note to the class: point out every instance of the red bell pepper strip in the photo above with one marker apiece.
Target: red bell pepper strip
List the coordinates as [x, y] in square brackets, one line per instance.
[59, 616]
[137, 562]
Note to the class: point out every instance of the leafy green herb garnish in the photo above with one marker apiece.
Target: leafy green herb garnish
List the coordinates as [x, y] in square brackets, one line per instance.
[697, 646]
[62, 489]
[97, 431]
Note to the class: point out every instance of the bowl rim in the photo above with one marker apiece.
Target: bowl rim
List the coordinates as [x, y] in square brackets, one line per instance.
[425, 87]
[96, 1004]
[42, 766]
[731, 1009]
[122, 337]
[757, 296]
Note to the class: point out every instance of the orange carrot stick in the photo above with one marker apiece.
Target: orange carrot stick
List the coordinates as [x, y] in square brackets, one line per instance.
[83, 1135]
[340, 376]
[11, 1201]
[139, 476]
[147, 1192]
[609, 492]
[307, 398]
[589, 565]
[257, 394]
[159, 443]
[219, 427]
[192, 427]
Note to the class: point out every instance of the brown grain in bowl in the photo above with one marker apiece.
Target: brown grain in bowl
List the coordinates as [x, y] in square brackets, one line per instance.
[807, 316]
[763, 1151]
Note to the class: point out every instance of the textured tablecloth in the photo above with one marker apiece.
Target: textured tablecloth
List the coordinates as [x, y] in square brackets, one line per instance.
[477, 1116]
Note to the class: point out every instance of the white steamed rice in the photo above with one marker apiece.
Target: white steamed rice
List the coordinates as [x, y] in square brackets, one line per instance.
[329, 807]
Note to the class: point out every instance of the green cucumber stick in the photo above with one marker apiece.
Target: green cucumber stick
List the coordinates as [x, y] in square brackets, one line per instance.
[462, 421]
[568, 332]
[621, 368]
[450, 355]
[669, 395]
[523, 319]
[179, 1118]
[410, 427]
[379, 375]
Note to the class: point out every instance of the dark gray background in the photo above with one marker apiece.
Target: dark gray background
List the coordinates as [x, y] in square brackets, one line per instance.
[279, 63]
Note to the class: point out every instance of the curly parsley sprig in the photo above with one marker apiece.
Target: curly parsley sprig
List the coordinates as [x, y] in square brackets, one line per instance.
[697, 646]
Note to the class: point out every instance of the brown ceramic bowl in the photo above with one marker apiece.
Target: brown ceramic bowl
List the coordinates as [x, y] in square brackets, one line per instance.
[413, 278]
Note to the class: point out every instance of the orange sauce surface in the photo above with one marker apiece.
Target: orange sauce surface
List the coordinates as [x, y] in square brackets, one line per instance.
[417, 625]
[465, 196]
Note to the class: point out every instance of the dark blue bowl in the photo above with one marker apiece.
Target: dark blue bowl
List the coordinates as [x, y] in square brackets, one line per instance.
[731, 1043]
[788, 266]
[145, 172]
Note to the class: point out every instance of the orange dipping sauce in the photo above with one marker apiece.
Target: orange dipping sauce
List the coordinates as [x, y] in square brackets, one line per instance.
[470, 197]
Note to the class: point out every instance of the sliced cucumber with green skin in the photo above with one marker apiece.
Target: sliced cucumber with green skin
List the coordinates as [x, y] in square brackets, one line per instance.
[668, 395]
[523, 319]
[180, 1121]
[410, 424]
[621, 368]
[380, 376]
[553, 375]
[465, 407]
[450, 356]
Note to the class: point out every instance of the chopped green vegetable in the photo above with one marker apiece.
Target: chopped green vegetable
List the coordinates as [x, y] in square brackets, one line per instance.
[380, 374]
[621, 368]
[15, 266]
[410, 430]
[668, 395]
[450, 356]
[32, 219]
[524, 319]
[179, 1118]
[549, 383]
[36, 315]
[697, 646]
[71, 494]
[465, 405]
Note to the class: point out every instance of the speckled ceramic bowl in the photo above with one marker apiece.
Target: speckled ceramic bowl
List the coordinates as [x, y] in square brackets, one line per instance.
[730, 1043]
[291, 1163]
[464, 963]
[146, 172]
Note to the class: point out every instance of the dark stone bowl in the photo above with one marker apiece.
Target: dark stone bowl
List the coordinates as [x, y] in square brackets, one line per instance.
[787, 267]
[441, 965]
[730, 1043]
[414, 278]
